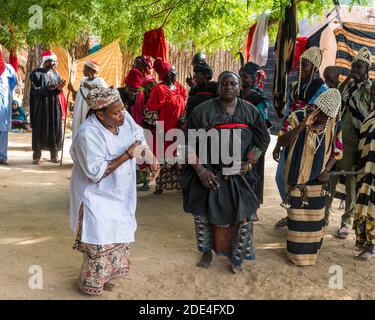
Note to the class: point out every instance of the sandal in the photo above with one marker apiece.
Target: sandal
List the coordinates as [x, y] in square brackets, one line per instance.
[365, 255]
[282, 223]
[146, 187]
[342, 233]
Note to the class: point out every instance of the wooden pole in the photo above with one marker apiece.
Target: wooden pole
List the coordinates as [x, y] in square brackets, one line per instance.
[66, 111]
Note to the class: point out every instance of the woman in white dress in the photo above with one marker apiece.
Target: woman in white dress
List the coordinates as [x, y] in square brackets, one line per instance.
[103, 188]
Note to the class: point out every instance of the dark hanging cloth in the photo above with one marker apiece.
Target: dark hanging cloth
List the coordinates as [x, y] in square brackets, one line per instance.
[45, 111]
[198, 95]
[259, 100]
[154, 44]
[314, 40]
[235, 199]
[284, 53]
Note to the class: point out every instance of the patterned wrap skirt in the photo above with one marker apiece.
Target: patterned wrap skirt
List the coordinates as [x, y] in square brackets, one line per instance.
[101, 263]
[168, 178]
[305, 223]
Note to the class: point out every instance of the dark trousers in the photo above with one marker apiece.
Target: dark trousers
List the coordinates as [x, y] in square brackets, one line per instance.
[37, 154]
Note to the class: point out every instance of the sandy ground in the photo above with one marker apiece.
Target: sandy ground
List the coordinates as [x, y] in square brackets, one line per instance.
[34, 230]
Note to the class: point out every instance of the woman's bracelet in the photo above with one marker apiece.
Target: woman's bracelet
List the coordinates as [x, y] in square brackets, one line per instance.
[128, 154]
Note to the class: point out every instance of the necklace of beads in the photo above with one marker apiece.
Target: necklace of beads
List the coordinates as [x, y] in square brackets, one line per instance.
[319, 137]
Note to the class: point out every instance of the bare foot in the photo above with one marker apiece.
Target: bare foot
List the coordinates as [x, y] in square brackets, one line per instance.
[205, 260]
[108, 286]
[236, 269]
[365, 255]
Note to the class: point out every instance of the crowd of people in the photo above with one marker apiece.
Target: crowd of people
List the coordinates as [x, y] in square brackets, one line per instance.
[327, 134]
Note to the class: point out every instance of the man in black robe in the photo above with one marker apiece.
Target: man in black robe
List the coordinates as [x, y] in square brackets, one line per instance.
[222, 200]
[45, 109]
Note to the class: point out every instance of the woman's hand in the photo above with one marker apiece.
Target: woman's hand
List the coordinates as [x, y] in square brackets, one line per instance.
[155, 170]
[208, 179]
[135, 150]
[324, 176]
[276, 153]
[70, 87]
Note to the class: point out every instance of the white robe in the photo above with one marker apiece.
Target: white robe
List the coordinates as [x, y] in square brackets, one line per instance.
[108, 204]
[80, 106]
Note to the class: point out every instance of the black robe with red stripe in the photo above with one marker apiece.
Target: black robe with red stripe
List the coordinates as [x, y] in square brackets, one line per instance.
[236, 199]
[199, 95]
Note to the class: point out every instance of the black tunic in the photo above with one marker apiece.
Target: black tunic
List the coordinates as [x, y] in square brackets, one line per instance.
[45, 111]
[199, 95]
[235, 199]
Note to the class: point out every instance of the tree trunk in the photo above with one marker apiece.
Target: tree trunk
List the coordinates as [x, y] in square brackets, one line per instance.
[81, 46]
[33, 62]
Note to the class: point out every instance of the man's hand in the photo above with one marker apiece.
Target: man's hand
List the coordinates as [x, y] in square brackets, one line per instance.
[310, 118]
[60, 85]
[276, 153]
[190, 81]
[51, 86]
[70, 87]
[324, 176]
[208, 179]
[245, 168]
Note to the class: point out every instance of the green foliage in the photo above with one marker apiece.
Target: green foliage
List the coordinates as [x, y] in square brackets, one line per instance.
[208, 24]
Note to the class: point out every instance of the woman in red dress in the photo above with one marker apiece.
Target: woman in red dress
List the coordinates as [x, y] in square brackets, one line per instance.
[169, 98]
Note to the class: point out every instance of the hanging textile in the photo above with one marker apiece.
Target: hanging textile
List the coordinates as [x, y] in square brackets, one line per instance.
[284, 54]
[301, 47]
[154, 44]
[63, 105]
[350, 39]
[314, 40]
[109, 58]
[249, 41]
[260, 44]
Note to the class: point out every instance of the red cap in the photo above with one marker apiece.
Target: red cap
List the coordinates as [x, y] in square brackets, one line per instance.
[47, 53]
[134, 78]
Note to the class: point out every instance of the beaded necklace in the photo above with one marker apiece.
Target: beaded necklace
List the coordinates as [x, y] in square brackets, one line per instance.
[316, 135]
[319, 136]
